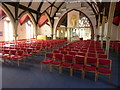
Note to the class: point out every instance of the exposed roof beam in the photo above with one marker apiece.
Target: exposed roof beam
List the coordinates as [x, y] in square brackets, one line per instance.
[39, 8]
[58, 9]
[23, 7]
[52, 4]
[48, 7]
[16, 10]
[30, 3]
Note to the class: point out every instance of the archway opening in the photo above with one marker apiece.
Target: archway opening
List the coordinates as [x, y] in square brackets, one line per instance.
[6, 27]
[25, 28]
[44, 27]
[74, 25]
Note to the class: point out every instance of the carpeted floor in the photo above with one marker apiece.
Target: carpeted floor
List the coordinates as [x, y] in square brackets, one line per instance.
[29, 76]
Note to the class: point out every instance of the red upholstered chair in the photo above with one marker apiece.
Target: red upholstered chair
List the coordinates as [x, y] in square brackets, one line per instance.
[77, 50]
[48, 61]
[102, 56]
[104, 68]
[28, 52]
[67, 62]
[78, 64]
[18, 57]
[36, 49]
[64, 52]
[12, 53]
[73, 53]
[91, 54]
[56, 51]
[82, 53]
[61, 49]
[5, 54]
[90, 66]
[67, 49]
[58, 58]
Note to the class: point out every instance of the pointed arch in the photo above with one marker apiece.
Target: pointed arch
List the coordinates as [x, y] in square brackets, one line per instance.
[47, 18]
[7, 12]
[92, 32]
[42, 21]
[30, 16]
[12, 20]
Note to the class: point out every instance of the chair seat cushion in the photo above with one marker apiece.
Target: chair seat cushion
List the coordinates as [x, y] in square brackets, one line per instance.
[46, 61]
[35, 51]
[78, 66]
[104, 70]
[90, 68]
[42, 49]
[56, 62]
[26, 54]
[1, 56]
[8, 57]
[17, 57]
[4, 56]
[66, 64]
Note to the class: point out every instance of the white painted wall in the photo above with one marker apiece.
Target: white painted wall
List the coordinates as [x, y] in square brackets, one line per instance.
[2, 30]
[115, 32]
[21, 31]
[45, 30]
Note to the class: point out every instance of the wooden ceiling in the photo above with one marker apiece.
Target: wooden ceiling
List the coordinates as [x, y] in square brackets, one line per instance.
[51, 8]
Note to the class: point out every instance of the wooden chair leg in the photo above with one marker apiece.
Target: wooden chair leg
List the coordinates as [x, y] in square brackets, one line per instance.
[11, 62]
[4, 61]
[60, 70]
[50, 68]
[96, 77]
[83, 74]
[18, 62]
[41, 67]
[71, 72]
[24, 61]
[110, 77]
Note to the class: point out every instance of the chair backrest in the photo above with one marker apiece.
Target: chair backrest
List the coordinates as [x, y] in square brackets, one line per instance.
[82, 53]
[20, 52]
[105, 56]
[105, 62]
[56, 51]
[73, 53]
[6, 51]
[80, 59]
[91, 54]
[58, 56]
[61, 49]
[64, 52]
[49, 55]
[13, 52]
[29, 50]
[91, 61]
[68, 58]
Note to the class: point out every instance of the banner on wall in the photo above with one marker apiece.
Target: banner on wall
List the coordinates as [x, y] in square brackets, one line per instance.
[73, 19]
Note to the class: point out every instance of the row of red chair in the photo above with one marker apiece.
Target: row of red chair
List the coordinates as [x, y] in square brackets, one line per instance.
[115, 45]
[87, 52]
[13, 52]
[85, 64]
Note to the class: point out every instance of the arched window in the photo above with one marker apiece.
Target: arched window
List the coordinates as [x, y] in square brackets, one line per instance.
[25, 28]
[6, 27]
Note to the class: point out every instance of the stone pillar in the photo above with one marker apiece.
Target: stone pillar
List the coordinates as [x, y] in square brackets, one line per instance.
[103, 25]
[15, 30]
[110, 18]
[36, 31]
[98, 28]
